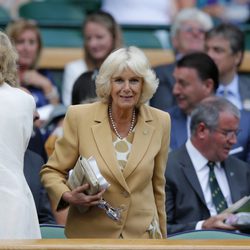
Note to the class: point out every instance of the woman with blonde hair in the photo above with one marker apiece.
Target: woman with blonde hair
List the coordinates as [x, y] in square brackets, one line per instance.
[129, 141]
[18, 214]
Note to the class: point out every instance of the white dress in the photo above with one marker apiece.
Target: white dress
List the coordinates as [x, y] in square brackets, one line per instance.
[18, 216]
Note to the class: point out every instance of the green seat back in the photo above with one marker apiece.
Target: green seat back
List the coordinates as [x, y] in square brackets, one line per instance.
[52, 231]
[208, 234]
[52, 13]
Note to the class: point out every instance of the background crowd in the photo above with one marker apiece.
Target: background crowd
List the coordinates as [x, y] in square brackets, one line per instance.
[160, 128]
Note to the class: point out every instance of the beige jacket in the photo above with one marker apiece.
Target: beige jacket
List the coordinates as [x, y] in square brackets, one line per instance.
[139, 191]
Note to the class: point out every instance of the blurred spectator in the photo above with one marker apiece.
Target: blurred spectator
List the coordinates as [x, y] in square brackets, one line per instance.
[84, 87]
[32, 167]
[196, 77]
[12, 6]
[146, 12]
[225, 45]
[234, 11]
[158, 12]
[101, 36]
[54, 127]
[187, 35]
[26, 37]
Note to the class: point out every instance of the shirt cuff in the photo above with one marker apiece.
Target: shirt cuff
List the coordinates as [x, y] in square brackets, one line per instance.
[199, 225]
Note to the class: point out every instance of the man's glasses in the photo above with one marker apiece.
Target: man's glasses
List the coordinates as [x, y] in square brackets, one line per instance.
[228, 133]
[190, 29]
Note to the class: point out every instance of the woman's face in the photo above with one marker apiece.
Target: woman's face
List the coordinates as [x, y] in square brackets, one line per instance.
[126, 89]
[27, 48]
[99, 41]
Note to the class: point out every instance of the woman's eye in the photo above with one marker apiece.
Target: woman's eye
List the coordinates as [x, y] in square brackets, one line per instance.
[134, 81]
[118, 80]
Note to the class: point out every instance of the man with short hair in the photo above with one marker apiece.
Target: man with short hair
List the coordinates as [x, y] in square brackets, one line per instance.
[201, 179]
[225, 45]
[187, 35]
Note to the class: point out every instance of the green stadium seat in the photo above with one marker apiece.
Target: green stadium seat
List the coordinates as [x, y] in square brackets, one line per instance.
[4, 17]
[141, 38]
[52, 231]
[208, 234]
[62, 37]
[52, 13]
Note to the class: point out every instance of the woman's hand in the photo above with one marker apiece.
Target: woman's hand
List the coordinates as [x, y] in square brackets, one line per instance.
[77, 197]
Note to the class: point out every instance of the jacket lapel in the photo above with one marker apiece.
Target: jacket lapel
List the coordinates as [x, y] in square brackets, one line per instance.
[141, 141]
[103, 138]
[191, 175]
[232, 182]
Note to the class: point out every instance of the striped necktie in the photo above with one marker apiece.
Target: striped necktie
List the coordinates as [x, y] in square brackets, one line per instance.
[217, 195]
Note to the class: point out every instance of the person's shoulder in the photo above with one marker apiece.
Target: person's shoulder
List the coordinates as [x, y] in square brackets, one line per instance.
[84, 108]
[155, 112]
[176, 153]
[22, 94]
[164, 67]
[174, 111]
[177, 158]
[238, 163]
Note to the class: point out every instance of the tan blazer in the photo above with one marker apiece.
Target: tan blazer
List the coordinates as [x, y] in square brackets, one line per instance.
[139, 191]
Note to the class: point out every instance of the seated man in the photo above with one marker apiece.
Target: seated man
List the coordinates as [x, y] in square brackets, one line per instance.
[197, 77]
[201, 165]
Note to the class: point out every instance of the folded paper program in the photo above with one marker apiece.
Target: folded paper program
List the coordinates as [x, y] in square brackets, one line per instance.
[87, 171]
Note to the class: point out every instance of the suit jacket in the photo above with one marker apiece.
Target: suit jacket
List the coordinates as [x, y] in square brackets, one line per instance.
[185, 203]
[32, 166]
[138, 191]
[179, 132]
[163, 97]
[244, 89]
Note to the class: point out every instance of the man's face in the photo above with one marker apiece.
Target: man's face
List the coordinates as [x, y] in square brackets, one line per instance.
[190, 37]
[189, 89]
[218, 48]
[220, 141]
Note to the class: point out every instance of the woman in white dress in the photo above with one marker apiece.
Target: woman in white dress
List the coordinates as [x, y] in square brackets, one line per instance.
[18, 214]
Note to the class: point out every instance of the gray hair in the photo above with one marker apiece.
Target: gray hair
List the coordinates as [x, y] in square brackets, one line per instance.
[8, 61]
[126, 58]
[208, 112]
[193, 14]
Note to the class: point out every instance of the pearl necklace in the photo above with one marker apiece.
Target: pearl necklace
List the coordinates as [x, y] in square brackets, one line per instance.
[114, 126]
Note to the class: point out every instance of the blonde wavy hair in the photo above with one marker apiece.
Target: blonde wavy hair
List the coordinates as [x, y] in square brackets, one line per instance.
[126, 58]
[8, 61]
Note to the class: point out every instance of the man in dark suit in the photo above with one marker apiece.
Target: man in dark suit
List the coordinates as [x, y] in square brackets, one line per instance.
[189, 201]
[197, 77]
[32, 167]
[225, 45]
[187, 35]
